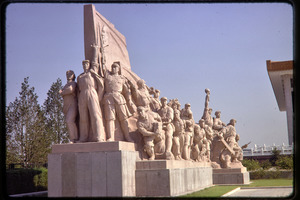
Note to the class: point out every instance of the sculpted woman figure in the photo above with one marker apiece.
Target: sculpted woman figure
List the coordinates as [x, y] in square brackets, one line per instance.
[70, 109]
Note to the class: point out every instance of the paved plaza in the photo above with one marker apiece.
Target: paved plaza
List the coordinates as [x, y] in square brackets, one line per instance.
[263, 192]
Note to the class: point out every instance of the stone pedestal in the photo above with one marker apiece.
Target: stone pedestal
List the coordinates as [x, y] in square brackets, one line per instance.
[92, 169]
[171, 177]
[231, 176]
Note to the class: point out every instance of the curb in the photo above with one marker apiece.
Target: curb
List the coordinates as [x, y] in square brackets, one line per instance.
[267, 187]
[31, 194]
[231, 192]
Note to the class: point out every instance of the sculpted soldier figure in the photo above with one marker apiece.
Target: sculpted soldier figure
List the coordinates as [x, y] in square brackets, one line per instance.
[149, 125]
[90, 91]
[155, 102]
[70, 109]
[167, 115]
[199, 134]
[178, 133]
[187, 114]
[141, 94]
[116, 97]
[218, 124]
[188, 140]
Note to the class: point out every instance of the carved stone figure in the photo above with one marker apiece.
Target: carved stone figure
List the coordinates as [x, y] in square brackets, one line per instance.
[90, 91]
[205, 150]
[70, 108]
[199, 134]
[167, 115]
[155, 102]
[207, 111]
[188, 140]
[206, 140]
[218, 124]
[178, 137]
[116, 97]
[187, 114]
[149, 125]
[141, 94]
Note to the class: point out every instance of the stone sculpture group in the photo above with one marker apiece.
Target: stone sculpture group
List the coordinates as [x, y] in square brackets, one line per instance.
[100, 98]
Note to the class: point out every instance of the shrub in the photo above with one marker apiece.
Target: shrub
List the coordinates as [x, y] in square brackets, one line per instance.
[263, 174]
[26, 180]
[285, 162]
[251, 164]
[266, 164]
[41, 180]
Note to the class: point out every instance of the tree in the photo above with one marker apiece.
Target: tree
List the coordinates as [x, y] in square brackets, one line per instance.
[27, 141]
[53, 108]
[275, 156]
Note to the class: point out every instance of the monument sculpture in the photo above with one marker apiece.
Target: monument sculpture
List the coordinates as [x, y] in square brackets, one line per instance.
[110, 92]
[119, 125]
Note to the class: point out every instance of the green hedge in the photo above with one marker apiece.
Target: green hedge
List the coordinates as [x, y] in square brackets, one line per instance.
[264, 174]
[26, 180]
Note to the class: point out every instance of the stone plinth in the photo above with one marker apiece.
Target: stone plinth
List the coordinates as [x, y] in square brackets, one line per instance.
[231, 176]
[171, 177]
[92, 170]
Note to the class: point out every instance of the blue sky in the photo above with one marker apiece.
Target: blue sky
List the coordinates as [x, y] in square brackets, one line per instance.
[180, 49]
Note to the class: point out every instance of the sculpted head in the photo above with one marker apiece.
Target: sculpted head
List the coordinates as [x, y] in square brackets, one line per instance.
[115, 68]
[86, 65]
[156, 93]
[210, 111]
[174, 106]
[163, 101]
[141, 112]
[187, 106]
[218, 114]
[70, 75]
[140, 83]
[201, 123]
[232, 122]
[207, 91]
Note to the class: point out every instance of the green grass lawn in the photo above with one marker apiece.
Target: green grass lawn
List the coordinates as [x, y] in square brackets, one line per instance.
[219, 190]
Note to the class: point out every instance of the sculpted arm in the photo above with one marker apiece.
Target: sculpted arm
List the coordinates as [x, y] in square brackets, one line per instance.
[69, 89]
[170, 115]
[157, 117]
[143, 131]
[126, 90]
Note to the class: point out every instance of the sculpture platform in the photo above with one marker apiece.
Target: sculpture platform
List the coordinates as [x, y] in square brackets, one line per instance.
[231, 176]
[94, 147]
[92, 170]
[171, 177]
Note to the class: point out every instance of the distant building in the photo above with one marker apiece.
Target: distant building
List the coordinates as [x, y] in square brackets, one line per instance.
[281, 77]
[264, 152]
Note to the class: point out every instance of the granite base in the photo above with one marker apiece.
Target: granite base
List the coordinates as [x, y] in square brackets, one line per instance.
[231, 176]
[92, 170]
[171, 177]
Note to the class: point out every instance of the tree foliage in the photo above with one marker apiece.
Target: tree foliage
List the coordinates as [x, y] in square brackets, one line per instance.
[55, 121]
[27, 141]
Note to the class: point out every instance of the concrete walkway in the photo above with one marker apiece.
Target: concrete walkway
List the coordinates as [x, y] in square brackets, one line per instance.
[261, 192]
